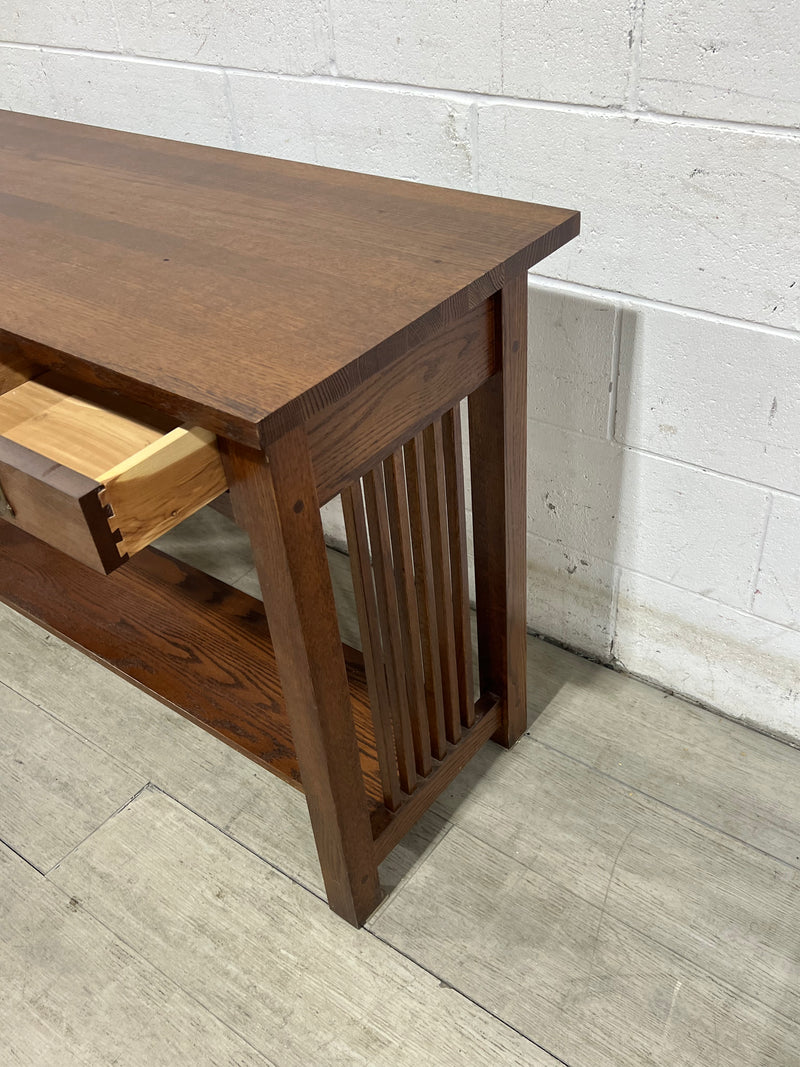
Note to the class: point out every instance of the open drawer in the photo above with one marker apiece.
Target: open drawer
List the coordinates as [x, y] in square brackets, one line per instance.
[96, 483]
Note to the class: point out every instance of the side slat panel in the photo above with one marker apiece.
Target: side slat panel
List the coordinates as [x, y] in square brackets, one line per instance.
[406, 530]
[426, 596]
[433, 450]
[367, 610]
[400, 529]
[380, 542]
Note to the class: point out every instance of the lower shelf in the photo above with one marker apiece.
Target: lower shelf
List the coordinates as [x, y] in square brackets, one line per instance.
[188, 639]
[204, 649]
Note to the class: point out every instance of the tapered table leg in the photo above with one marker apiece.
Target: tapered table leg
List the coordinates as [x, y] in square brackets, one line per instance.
[497, 429]
[274, 498]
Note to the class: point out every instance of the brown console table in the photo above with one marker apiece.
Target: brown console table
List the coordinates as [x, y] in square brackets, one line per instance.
[181, 322]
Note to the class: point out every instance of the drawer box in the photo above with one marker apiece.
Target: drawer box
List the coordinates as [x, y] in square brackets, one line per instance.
[95, 483]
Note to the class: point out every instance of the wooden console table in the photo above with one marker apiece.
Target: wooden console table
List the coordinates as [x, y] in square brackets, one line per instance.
[180, 321]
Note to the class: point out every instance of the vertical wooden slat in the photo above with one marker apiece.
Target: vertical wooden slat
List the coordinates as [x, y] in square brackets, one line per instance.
[380, 543]
[426, 598]
[433, 451]
[367, 610]
[497, 425]
[400, 529]
[459, 573]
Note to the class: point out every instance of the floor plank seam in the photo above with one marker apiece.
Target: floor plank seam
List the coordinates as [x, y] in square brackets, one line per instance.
[113, 815]
[475, 1003]
[720, 983]
[412, 871]
[225, 833]
[69, 726]
[163, 974]
[665, 804]
[716, 980]
[365, 930]
[19, 855]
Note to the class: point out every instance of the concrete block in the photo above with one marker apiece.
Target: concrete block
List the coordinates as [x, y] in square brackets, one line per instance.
[730, 660]
[380, 131]
[705, 218]
[436, 45]
[712, 393]
[651, 515]
[527, 48]
[77, 24]
[570, 356]
[777, 595]
[722, 60]
[574, 52]
[23, 86]
[574, 488]
[284, 38]
[690, 527]
[100, 92]
[570, 596]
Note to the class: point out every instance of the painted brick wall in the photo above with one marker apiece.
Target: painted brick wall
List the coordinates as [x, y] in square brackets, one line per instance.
[664, 405]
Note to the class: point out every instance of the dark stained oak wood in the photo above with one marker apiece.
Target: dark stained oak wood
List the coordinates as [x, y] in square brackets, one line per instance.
[185, 638]
[497, 435]
[14, 368]
[403, 566]
[324, 325]
[241, 293]
[275, 497]
[392, 641]
[433, 452]
[426, 593]
[57, 505]
[369, 626]
[351, 436]
[390, 828]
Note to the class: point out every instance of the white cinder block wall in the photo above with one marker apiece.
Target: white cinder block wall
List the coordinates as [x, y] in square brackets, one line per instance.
[664, 401]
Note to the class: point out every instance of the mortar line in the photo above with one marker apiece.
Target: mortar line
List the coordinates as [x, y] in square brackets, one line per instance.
[676, 461]
[635, 64]
[489, 99]
[744, 612]
[547, 281]
[613, 390]
[232, 117]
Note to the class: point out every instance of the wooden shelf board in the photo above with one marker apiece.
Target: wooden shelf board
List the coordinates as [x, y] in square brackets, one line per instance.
[187, 639]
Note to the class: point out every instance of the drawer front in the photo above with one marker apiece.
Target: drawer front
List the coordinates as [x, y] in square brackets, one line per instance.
[96, 484]
[57, 505]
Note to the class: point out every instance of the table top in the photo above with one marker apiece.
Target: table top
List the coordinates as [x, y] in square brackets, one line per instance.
[236, 290]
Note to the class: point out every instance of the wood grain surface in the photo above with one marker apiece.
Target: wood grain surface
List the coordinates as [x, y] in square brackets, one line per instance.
[184, 637]
[275, 497]
[240, 292]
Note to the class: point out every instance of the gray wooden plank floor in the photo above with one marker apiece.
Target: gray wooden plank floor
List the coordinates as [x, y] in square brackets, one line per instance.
[622, 888]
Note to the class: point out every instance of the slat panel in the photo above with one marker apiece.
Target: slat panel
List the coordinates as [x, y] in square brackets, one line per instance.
[459, 573]
[400, 529]
[433, 450]
[369, 626]
[426, 599]
[380, 543]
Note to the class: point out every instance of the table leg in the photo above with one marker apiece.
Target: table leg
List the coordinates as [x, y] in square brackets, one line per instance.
[497, 430]
[275, 499]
